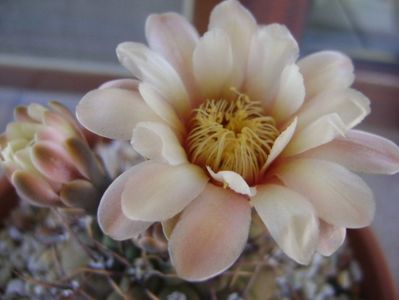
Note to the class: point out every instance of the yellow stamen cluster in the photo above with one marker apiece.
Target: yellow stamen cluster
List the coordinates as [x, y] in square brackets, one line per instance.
[232, 135]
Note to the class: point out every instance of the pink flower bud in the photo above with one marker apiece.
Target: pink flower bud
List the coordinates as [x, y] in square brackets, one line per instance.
[48, 160]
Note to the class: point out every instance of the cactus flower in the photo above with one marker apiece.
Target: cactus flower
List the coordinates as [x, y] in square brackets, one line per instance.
[47, 158]
[231, 121]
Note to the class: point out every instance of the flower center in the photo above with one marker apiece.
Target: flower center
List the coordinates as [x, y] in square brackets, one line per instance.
[232, 135]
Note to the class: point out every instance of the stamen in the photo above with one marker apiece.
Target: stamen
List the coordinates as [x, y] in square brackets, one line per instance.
[231, 135]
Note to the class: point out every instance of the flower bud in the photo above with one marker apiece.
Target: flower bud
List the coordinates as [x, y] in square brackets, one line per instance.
[48, 160]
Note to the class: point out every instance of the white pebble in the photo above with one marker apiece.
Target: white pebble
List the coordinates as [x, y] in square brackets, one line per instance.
[344, 279]
[15, 287]
[310, 289]
[177, 296]
[326, 292]
[234, 296]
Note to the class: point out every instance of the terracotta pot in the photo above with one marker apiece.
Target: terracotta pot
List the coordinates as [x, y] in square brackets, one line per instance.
[377, 283]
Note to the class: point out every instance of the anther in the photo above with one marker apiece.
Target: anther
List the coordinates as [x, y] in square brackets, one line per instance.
[231, 135]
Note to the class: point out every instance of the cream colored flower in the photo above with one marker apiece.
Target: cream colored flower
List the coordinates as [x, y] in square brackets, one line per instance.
[48, 160]
[229, 121]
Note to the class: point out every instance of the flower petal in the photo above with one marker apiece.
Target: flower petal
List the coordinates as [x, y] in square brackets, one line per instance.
[211, 234]
[113, 113]
[110, 217]
[234, 181]
[85, 161]
[290, 94]
[34, 188]
[149, 66]
[330, 238]
[36, 111]
[65, 125]
[175, 38]
[320, 132]
[21, 130]
[21, 114]
[157, 192]
[351, 106]
[21, 157]
[125, 84]
[326, 70]
[239, 24]
[168, 226]
[290, 219]
[361, 152]
[53, 162]
[156, 141]
[160, 106]
[279, 144]
[65, 113]
[213, 63]
[80, 193]
[49, 134]
[340, 197]
[272, 49]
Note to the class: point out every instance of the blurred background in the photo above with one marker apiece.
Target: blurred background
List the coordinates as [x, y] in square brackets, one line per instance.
[57, 50]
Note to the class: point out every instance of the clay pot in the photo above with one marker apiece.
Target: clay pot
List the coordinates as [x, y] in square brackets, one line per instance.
[378, 282]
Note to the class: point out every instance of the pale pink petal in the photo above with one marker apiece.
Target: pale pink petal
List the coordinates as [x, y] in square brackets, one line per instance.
[160, 106]
[125, 84]
[290, 94]
[211, 234]
[213, 63]
[319, 132]
[279, 144]
[157, 141]
[23, 159]
[157, 192]
[361, 152]
[14, 145]
[80, 193]
[150, 67]
[290, 219]
[330, 238]
[21, 114]
[111, 219]
[61, 109]
[66, 126]
[326, 70]
[340, 197]
[272, 49]
[21, 130]
[53, 162]
[113, 113]
[85, 161]
[16, 155]
[64, 112]
[49, 134]
[174, 38]
[240, 25]
[234, 181]
[351, 105]
[34, 188]
[36, 111]
[169, 225]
